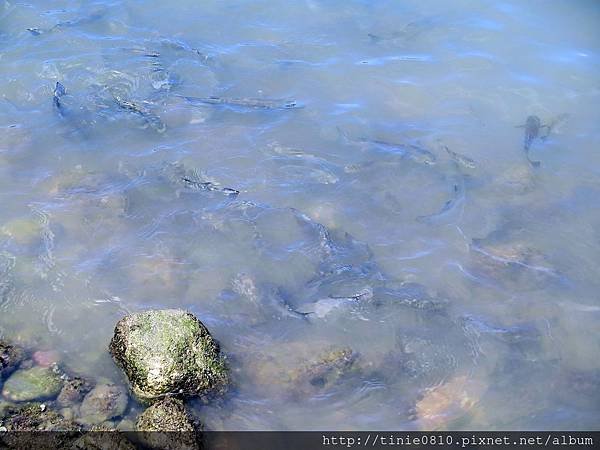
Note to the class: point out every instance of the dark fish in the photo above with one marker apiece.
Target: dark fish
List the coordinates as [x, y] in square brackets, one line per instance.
[35, 31]
[455, 202]
[95, 15]
[413, 295]
[143, 52]
[410, 31]
[374, 37]
[59, 91]
[79, 117]
[533, 126]
[513, 334]
[364, 294]
[324, 307]
[149, 118]
[275, 299]
[414, 152]
[403, 150]
[208, 186]
[245, 102]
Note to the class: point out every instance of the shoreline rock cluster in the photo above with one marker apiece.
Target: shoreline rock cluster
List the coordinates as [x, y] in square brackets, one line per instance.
[167, 356]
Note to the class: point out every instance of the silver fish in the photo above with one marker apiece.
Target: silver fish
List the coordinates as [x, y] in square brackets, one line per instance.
[403, 150]
[461, 160]
[243, 102]
[191, 179]
[151, 119]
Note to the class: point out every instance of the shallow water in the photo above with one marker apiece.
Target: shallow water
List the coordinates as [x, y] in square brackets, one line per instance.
[467, 291]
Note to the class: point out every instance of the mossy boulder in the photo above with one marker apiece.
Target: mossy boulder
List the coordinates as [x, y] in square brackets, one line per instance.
[104, 402]
[37, 383]
[167, 424]
[169, 414]
[10, 358]
[166, 352]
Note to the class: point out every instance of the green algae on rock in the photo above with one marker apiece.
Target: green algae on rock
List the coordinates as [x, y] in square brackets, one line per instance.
[37, 383]
[168, 352]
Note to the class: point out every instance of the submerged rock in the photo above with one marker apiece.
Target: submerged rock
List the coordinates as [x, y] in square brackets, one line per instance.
[303, 371]
[168, 352]
[37, 383]
[73, 391]
[4, 408]
[446, 403]
[329, 368]
[159, 422]
[24, 231]
[169, 414]
[46, 358]
[103, 403]
[100, 438]
[10, 358]
[36, 417]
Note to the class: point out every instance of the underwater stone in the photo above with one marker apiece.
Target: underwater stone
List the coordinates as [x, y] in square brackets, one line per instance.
[73, 391]
[167, 425]
[24, 231]
[10, 357]
[102, 438]
[102, 403]
[168, 414]
[32, 417]
[168, 352]
[37, 383]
